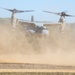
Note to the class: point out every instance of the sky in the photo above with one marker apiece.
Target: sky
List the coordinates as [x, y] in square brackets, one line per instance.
[39, 6]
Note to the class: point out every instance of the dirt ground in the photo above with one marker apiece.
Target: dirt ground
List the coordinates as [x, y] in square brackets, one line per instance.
[56, 48]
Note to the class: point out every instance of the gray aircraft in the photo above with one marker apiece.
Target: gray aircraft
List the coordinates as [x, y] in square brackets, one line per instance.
[38, 27]
[13, 16]
[34, 27]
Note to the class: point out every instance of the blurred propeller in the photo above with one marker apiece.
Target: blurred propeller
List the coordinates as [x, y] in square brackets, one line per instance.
[17, 11]
[62, 14]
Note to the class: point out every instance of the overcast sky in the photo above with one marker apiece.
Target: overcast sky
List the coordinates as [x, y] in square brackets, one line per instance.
[39, 6]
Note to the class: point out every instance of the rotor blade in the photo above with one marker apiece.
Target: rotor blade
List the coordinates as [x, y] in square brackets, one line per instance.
[29, 11]
[69, 15]
[52, 12]
[7, 9]
[20, 11]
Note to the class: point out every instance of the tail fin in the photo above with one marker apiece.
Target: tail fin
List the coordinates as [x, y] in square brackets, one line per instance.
[32, 18]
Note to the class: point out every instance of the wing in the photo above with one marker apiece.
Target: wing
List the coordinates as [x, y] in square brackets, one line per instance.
[26, 23]
[33, 22]
[51, 24]
[52, 12]
[39, 23]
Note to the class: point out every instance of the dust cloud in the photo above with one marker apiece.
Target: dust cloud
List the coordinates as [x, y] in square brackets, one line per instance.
[56, 48]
